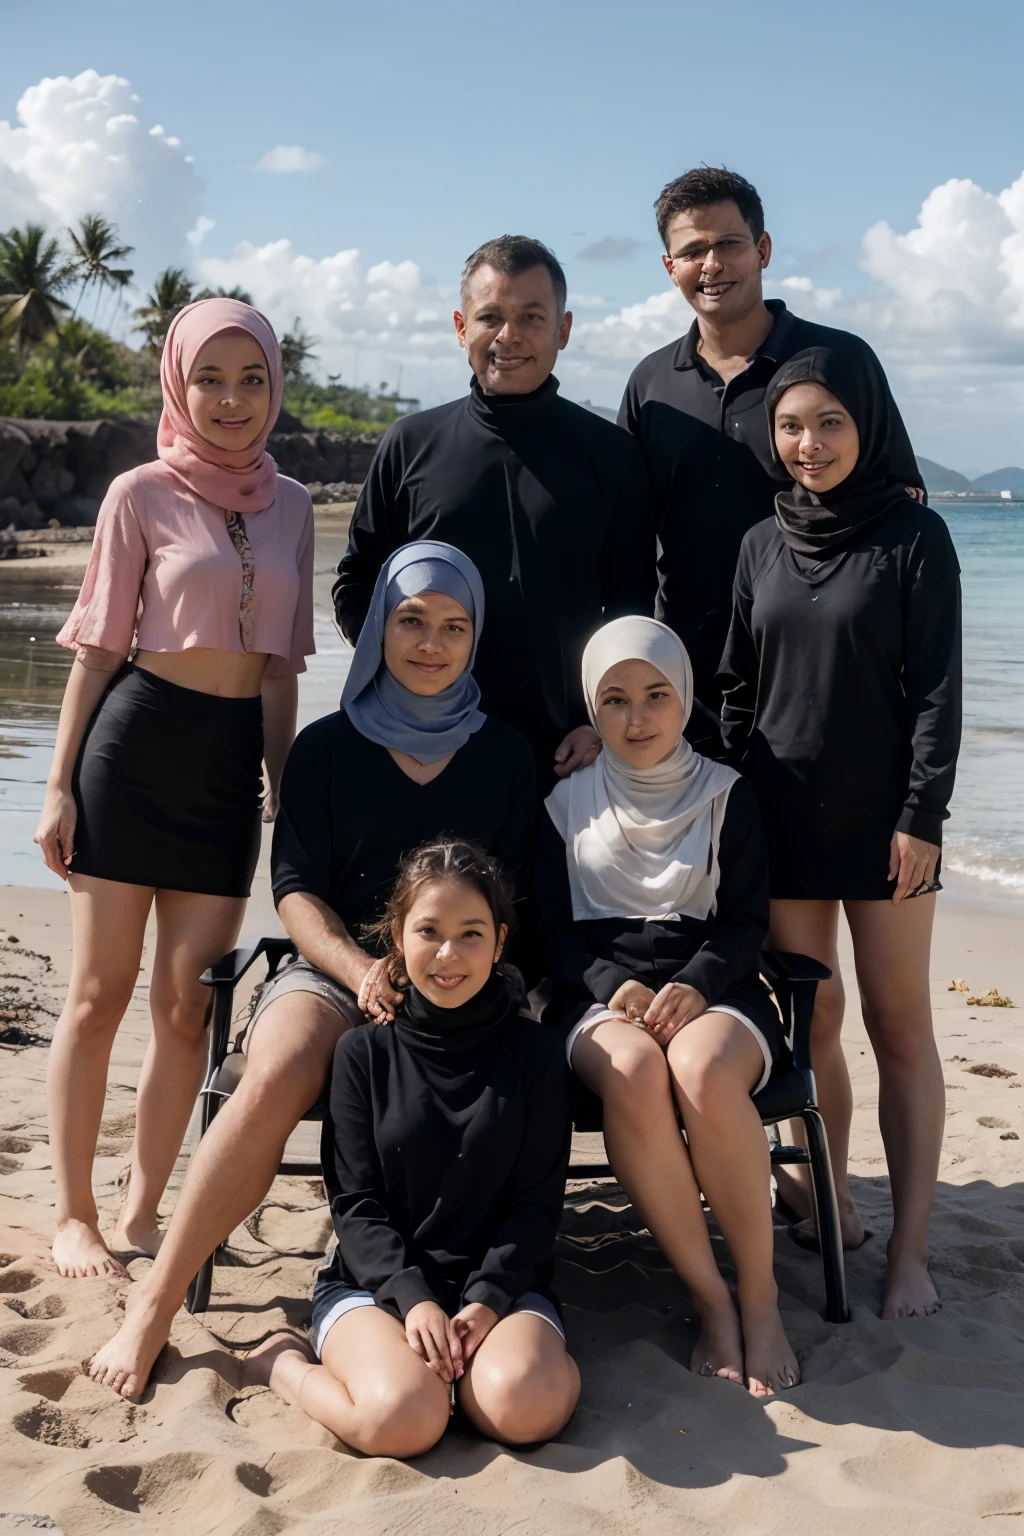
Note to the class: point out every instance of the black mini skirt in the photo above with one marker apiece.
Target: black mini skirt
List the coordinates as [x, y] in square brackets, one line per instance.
[167, 785]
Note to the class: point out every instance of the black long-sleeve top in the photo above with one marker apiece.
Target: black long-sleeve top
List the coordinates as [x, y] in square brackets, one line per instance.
[709, 459]
[589, 960]
[445, 1162]
[842, 698]
[552, 504]
[348, 813]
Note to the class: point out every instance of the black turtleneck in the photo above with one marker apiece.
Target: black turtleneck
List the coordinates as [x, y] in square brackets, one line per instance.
[445, 1151]
[551, 502]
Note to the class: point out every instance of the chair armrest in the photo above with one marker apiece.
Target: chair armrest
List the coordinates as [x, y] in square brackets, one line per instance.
[230, 968]
[781, 965]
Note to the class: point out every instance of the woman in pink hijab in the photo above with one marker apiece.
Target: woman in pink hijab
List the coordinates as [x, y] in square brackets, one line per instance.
[194, 619]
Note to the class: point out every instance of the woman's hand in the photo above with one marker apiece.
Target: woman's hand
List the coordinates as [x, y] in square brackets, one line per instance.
[471, 1326]
[675, 1006]
[271, 802]
[434, 1339]
[56, 831]
[913, 861]
[377, 997]
[632, 998]
[578, 750]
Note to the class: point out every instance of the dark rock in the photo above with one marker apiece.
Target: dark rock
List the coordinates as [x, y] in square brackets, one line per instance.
[15, 450]
[286, 422]
[75, 511]
[19, 514]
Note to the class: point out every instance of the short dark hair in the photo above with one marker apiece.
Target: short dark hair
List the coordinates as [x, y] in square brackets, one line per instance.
[446, 858]
[703, 188]
[513, 254]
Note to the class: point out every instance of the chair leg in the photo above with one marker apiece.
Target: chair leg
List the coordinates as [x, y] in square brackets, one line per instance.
[197, 1297]
[827, 1209]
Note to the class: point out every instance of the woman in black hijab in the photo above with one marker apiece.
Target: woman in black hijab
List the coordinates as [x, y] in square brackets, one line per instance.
[841, 679]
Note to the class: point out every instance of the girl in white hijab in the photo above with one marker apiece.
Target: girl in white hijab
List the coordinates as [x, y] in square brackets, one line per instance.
[652, 885]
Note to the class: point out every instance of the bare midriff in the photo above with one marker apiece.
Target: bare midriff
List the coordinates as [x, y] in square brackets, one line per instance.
[231, 674]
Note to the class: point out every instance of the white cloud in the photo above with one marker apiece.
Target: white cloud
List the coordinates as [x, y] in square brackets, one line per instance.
[79, 146]
[285, 159]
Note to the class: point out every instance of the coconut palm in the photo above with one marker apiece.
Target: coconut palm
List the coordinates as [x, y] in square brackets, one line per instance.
[297, 348]
[225, 293]
[94, 249]
[172, 290]
[34, 272]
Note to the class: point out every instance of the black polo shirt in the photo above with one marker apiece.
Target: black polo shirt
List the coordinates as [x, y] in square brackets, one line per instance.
[709, 459]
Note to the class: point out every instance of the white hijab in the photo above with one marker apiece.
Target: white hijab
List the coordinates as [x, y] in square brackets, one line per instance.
[642, 842]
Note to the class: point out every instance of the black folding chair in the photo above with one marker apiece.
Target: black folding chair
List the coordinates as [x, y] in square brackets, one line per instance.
[789, 1094]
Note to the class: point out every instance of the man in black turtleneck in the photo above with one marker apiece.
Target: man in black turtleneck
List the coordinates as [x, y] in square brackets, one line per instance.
[550, 501]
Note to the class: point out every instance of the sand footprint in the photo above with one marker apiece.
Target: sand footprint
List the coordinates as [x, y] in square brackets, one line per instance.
[51, 1384]
[50, 1425]
[13, 1281]
[49, 1307]
[23, 1341]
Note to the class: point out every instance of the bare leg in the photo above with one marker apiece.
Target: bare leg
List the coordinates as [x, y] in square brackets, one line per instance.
[231, 1171]
[811, 928]
[192, 932]
[373, 1391]
[892, 945]
[521, 1385]
[628, 1069]
[109, 923]
[715, 1062]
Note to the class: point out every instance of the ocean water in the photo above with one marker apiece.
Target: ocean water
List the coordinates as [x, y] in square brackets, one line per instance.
[984, 836]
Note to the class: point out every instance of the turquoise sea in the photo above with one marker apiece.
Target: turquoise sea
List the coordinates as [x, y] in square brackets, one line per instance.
[985, 834]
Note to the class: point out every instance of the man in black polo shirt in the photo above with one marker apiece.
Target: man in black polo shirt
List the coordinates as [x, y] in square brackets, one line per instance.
[697, 406]
[549, 500]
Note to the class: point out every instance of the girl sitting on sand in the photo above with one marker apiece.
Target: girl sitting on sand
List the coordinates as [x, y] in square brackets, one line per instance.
[841, 685]
[444, 1153]
[653, 890]
[202, 573]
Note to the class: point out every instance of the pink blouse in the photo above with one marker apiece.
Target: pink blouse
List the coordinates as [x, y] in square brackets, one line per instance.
[169, 571]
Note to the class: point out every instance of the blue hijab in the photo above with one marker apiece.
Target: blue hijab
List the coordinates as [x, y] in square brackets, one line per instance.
[378, 705]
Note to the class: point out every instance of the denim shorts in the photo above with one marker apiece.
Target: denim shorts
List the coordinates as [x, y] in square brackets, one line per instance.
[333, 1298]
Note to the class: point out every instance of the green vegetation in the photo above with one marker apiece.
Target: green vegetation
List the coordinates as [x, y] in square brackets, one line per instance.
[56, 365]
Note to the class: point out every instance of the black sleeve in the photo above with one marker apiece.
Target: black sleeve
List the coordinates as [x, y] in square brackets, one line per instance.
[513, 844]
[372, 1250]
[737, 674]
[932, 685]
[741, 915]
[374, 534]
[566, 957]
[301, 855]
[525, 1239]
[629, 409]
[628, 567]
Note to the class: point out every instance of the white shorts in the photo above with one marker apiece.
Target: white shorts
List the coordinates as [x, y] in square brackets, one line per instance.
[598, 1014]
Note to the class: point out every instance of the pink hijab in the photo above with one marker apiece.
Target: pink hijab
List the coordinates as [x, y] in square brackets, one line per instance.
[237, 479]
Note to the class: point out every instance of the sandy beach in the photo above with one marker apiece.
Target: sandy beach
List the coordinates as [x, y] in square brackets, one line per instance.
[914, 1426]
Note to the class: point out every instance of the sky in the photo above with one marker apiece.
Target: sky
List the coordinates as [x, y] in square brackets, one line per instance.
[341, 162]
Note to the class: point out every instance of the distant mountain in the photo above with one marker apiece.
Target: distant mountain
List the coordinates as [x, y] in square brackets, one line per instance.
[997, 480]
[600, 410]
[938, 478]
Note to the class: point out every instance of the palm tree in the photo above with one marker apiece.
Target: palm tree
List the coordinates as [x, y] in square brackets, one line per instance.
[95, 248]
[225, 293]
[172, 290]
[34, 272]
[297, 348]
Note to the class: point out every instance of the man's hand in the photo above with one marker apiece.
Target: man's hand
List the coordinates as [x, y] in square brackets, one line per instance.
[471, 1327]
[913, 860]
[917, 491]
[675, 1006]
[435, 1340]
[377, 997]
[632, 998]
[579, 749]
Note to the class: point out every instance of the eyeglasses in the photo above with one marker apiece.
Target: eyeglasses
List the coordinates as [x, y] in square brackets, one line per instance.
[697, 255]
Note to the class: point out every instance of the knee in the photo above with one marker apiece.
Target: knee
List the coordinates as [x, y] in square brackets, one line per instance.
[706, 1082]
[525, 1404]
[829, 1009]
[636, 1081]
[403, 1421]
[97, 1007]
[183, 1015]
[901, 1038]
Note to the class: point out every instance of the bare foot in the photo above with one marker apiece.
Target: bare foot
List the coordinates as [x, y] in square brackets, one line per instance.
[909, 1291]
[282, 1364]
[793, 1196]
[719, 1347]
[79, 1251]
[134, 1237]
[124, 1365]
[770, 1362]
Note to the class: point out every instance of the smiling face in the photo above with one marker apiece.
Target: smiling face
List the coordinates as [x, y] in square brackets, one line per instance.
[448, 941]
[815, 437]
[428, 640]
[639, 713]
[228, 390]
[512, 328]
[715, 262]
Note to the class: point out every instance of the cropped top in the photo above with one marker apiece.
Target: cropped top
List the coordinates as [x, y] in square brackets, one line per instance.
[169, 571]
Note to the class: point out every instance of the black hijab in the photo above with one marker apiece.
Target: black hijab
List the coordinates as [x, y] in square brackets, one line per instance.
[824, 525]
